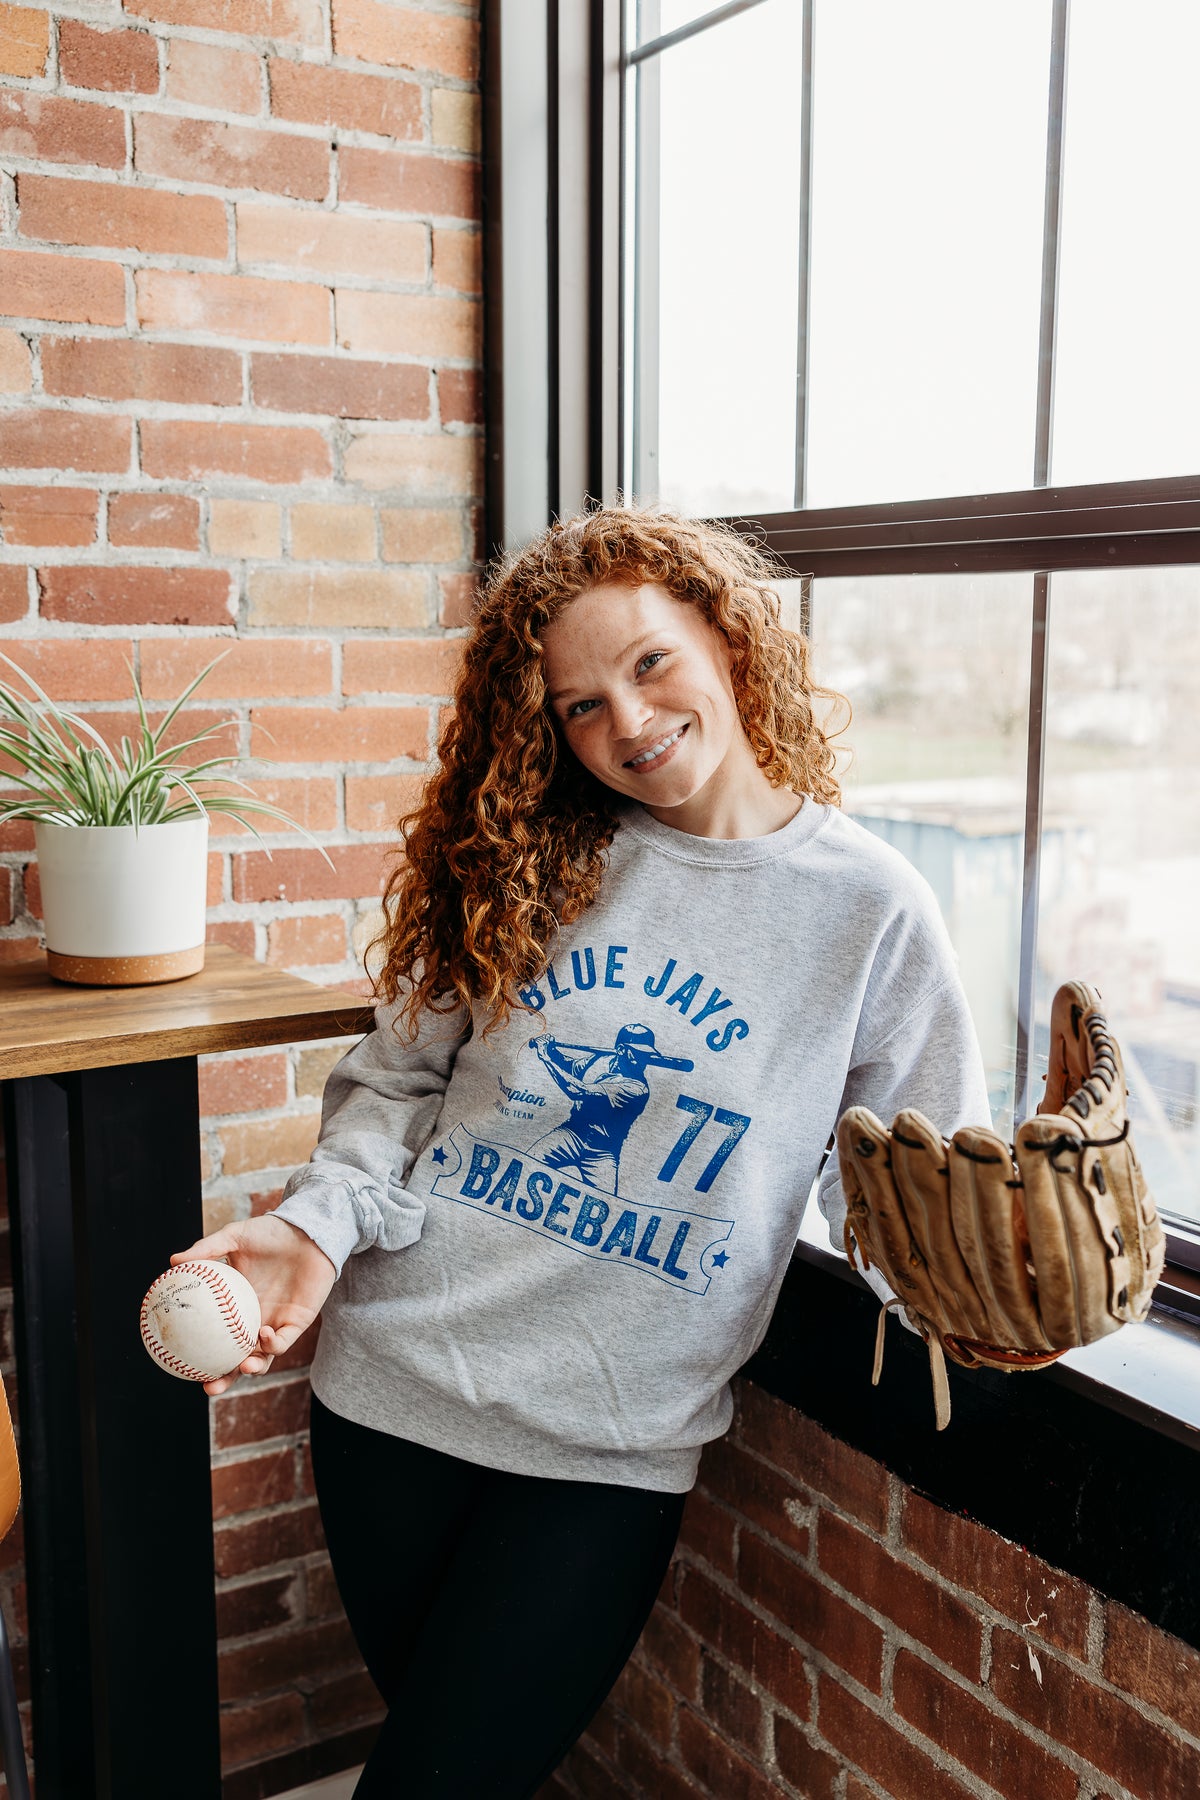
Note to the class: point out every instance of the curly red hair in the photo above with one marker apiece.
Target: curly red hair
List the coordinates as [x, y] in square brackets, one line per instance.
[508, 841]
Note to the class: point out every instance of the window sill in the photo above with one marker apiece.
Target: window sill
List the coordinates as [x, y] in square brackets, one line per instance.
[1150, 1372]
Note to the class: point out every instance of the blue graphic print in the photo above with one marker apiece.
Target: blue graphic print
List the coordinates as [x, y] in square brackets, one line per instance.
[674, 1245]
[608, 1091]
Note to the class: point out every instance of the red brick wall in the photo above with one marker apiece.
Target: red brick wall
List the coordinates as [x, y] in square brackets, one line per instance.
[239, 408]
[826, 1632]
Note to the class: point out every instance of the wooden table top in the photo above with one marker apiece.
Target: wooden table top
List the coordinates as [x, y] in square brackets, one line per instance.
[234, 1003]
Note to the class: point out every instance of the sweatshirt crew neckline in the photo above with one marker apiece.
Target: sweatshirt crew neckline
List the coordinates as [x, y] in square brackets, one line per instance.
[724, 853]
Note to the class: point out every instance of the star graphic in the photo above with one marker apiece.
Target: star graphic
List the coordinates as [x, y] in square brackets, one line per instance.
[719, 1260]
[439, 1155]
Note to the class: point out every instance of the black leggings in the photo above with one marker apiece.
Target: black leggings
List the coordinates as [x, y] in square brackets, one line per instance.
[493, 1611]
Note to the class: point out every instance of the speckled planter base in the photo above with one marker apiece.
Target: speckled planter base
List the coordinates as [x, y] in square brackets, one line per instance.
[125, 971]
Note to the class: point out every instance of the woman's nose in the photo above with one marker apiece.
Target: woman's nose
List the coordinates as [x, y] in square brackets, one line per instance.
[629, 713]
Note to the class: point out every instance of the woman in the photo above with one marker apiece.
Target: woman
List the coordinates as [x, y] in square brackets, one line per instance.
[636, 963]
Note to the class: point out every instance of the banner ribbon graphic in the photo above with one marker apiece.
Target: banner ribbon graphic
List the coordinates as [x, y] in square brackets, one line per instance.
[673, 1245]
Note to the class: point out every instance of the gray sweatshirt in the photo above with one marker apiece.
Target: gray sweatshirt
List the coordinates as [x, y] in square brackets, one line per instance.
[558, 1243]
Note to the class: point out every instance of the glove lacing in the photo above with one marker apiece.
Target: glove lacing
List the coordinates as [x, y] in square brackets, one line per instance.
[937, 1361]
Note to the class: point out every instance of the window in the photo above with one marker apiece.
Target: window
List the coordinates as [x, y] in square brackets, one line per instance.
[908, 293]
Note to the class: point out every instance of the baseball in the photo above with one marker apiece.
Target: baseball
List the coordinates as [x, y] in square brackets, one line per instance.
[200, 1319]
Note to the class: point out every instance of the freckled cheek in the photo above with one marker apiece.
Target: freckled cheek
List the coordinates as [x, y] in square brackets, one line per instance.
[587, 747]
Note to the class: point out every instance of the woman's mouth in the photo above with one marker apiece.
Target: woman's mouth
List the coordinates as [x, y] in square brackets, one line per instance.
[654, 755]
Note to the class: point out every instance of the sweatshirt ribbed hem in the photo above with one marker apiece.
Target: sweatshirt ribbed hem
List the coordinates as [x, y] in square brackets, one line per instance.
[440, 1421]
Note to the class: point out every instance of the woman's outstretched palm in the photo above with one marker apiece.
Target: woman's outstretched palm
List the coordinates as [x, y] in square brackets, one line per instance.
[287, 1271]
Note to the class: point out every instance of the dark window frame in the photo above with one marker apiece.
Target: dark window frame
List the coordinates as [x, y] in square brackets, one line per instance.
[557, 371]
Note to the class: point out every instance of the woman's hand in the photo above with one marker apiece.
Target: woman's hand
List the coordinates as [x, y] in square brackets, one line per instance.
[287, 1271]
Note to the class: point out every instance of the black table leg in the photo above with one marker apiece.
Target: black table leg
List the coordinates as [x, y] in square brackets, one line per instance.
[39, 1197]
[119, 1489]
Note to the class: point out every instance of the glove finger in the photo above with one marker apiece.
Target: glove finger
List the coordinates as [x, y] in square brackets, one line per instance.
[877, 1211]
[1085, 1087]
[1140, 1225]
[1070, 1058]
[988, 1224]
[1085, 1078]
[1082, 1269]
[920, 1168]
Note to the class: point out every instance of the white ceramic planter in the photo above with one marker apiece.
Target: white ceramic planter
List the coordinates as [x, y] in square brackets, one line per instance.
[124, 905]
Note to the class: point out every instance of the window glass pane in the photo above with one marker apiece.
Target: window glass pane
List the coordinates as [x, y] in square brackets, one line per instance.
[1127, 375]
[1121, 843]
[929, 124]
[718, 354]
[937, 670]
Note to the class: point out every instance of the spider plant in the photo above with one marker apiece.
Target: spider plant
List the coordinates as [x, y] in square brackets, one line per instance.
[71, 776]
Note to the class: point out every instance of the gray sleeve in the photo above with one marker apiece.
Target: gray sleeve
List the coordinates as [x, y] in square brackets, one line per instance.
[931, 1061]
[381, 1105]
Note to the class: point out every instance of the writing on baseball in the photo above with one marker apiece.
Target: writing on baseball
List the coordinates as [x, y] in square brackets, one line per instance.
[200, 1319]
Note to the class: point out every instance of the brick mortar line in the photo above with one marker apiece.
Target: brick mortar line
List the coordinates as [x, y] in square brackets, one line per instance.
[263, 196]
[208, 412]
[58, 631]
[934, 1752]
[326, 703]
[1091, 1673]
[133, 105]
[284, 48]
[988, 1612]
[137, 102]
[303, 1106]
[110, 555]
[746, 1678]
[895, 1638]
[287, 1685]
[256, 1515]
[237, 1454]
[673, 1756]
[131, 556]
[901, 1552]
[183, 262]
[89, 331]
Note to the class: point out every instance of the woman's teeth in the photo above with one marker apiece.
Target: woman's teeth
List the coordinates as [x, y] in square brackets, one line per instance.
[655, 750]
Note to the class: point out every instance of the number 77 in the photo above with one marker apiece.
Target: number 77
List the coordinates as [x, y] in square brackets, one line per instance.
[702, 1112]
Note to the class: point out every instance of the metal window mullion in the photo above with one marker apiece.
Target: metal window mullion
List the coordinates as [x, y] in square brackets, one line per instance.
[554, 261]
[572, 275]
[647, 218]
[606, 348]
[517, 243]
[1035, 763]
[654, 45]
[804, 287]
[1051, 243]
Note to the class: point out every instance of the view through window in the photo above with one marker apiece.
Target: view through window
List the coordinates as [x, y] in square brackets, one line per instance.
[885, 254]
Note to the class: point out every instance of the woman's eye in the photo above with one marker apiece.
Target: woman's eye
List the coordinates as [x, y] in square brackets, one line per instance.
[579, 707]
[649, 661]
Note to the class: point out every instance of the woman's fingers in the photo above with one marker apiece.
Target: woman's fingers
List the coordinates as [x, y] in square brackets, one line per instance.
[220, 1383]
[257, 1363]
[217, 1243]
[279, 1338]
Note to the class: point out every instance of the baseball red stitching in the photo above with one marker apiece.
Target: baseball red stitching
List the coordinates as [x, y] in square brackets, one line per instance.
[242, 1335]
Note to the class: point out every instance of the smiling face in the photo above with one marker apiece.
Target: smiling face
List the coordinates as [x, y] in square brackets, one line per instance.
[640, 685]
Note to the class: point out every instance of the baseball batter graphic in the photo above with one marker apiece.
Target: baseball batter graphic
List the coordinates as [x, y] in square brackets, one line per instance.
[608, 1092]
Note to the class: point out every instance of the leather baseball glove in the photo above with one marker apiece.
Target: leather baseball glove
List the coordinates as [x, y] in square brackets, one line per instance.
[1009, 1256]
